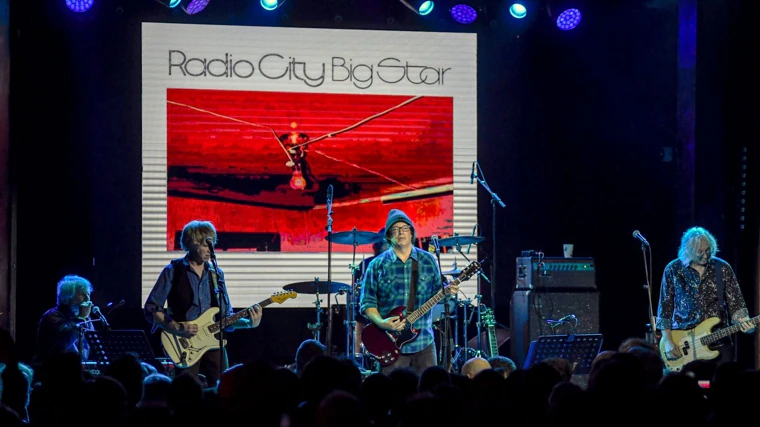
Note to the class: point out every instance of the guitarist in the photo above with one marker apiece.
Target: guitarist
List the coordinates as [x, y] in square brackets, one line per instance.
[390, 282]
[188, 287]
[692, 292]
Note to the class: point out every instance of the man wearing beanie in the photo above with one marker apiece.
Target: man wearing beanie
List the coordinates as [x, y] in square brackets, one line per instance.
[388, 283]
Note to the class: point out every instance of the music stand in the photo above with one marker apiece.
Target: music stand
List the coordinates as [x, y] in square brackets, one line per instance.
[579, 349]
[107, 346]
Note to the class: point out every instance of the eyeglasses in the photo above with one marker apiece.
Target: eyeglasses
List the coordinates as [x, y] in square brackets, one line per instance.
[398, 230]
[707, 252]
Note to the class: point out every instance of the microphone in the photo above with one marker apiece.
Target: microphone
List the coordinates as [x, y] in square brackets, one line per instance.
[96, 310]
[472, 173]
[434, 242]
[210, 243]
[329, 198]
[638, 235]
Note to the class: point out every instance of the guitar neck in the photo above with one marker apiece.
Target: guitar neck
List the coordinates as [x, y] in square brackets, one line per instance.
[492, 344]
[229, 320]
[416, 314]
[718, 335]
[429, 304]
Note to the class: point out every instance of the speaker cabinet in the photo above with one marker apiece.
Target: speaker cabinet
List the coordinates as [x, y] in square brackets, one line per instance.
[535, 313]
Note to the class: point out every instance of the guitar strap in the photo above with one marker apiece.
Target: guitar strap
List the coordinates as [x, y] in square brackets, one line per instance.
[215, 287]
[721, 287]
[413, 287]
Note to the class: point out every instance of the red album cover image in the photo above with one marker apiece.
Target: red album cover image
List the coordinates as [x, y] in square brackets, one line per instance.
[260, 165]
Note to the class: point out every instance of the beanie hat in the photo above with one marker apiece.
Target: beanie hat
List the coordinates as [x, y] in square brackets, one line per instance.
[395, 216]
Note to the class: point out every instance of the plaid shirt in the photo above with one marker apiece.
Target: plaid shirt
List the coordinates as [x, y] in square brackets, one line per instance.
[387, 284]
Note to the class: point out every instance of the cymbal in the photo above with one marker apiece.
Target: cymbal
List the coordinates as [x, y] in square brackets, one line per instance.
[461, 240]
[453, 272]
[355, 237]
[314, 286]
[502, 335]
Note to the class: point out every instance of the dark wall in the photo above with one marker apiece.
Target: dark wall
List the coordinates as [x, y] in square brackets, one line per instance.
[572, 128]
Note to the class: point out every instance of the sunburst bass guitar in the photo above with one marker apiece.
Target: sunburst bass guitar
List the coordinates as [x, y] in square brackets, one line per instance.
[385, 346]
[695, 343]
[186, 352]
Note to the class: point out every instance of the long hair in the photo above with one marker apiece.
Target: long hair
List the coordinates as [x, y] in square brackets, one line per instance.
[195, 232]
[690, 244]
[69, 286]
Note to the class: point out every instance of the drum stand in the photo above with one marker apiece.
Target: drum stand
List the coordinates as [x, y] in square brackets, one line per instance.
[351, 305]
[316, 327]
[478, 297]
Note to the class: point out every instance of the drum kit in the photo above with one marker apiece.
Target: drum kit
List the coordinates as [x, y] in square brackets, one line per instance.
[446, 310]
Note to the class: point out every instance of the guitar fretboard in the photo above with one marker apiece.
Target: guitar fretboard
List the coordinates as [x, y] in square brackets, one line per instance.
[471, 269]
[424, 308]
[719, 335]
[492, 344]
[229, 320]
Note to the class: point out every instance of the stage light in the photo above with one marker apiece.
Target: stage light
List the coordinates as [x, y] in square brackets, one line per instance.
[271, 4]
[171, 4]
[518, 11]
[79, 5]
[195, 6]
[464, 13]
[569, 19]
[419, 7]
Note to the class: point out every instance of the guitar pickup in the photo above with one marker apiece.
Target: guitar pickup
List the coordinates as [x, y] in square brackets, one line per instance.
[183, 342]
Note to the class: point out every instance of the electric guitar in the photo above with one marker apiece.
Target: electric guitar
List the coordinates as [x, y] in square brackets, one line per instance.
[186, 352]
[385, 345]
[490, 323]
[694, 343]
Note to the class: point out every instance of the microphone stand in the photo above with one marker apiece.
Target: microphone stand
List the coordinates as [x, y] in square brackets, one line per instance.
[494, 200]
[222, 308]
[329, 268]
[648, 274]
[445, 344]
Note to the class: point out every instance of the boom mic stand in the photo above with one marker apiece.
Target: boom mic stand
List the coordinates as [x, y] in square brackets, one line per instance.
[494, 200]
[646, 249]
[329, 269]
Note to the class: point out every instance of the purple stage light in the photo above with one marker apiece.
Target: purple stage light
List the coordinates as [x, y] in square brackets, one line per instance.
[569, 19]
[196, 6]
[79, 5]
[464, 14]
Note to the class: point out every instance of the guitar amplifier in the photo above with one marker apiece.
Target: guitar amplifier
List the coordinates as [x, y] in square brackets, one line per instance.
[549, 273]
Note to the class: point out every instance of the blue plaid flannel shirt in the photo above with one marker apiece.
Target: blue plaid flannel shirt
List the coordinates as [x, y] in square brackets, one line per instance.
[387, 284]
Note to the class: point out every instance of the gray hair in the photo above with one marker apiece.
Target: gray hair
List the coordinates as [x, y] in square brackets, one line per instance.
[690, 244]
[69, 286]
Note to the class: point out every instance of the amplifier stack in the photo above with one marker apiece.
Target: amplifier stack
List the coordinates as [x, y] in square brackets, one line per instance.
[552, 296]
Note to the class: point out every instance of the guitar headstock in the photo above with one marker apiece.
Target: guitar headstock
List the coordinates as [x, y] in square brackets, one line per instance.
[469, 271]
[282, 296]
[488, 318]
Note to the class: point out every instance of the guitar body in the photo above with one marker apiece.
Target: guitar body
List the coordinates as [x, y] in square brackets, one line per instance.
[384, 345]
[186, 352]
[688, 341]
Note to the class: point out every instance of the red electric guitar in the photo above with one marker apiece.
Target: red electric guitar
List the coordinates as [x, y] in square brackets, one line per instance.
[386, 346]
